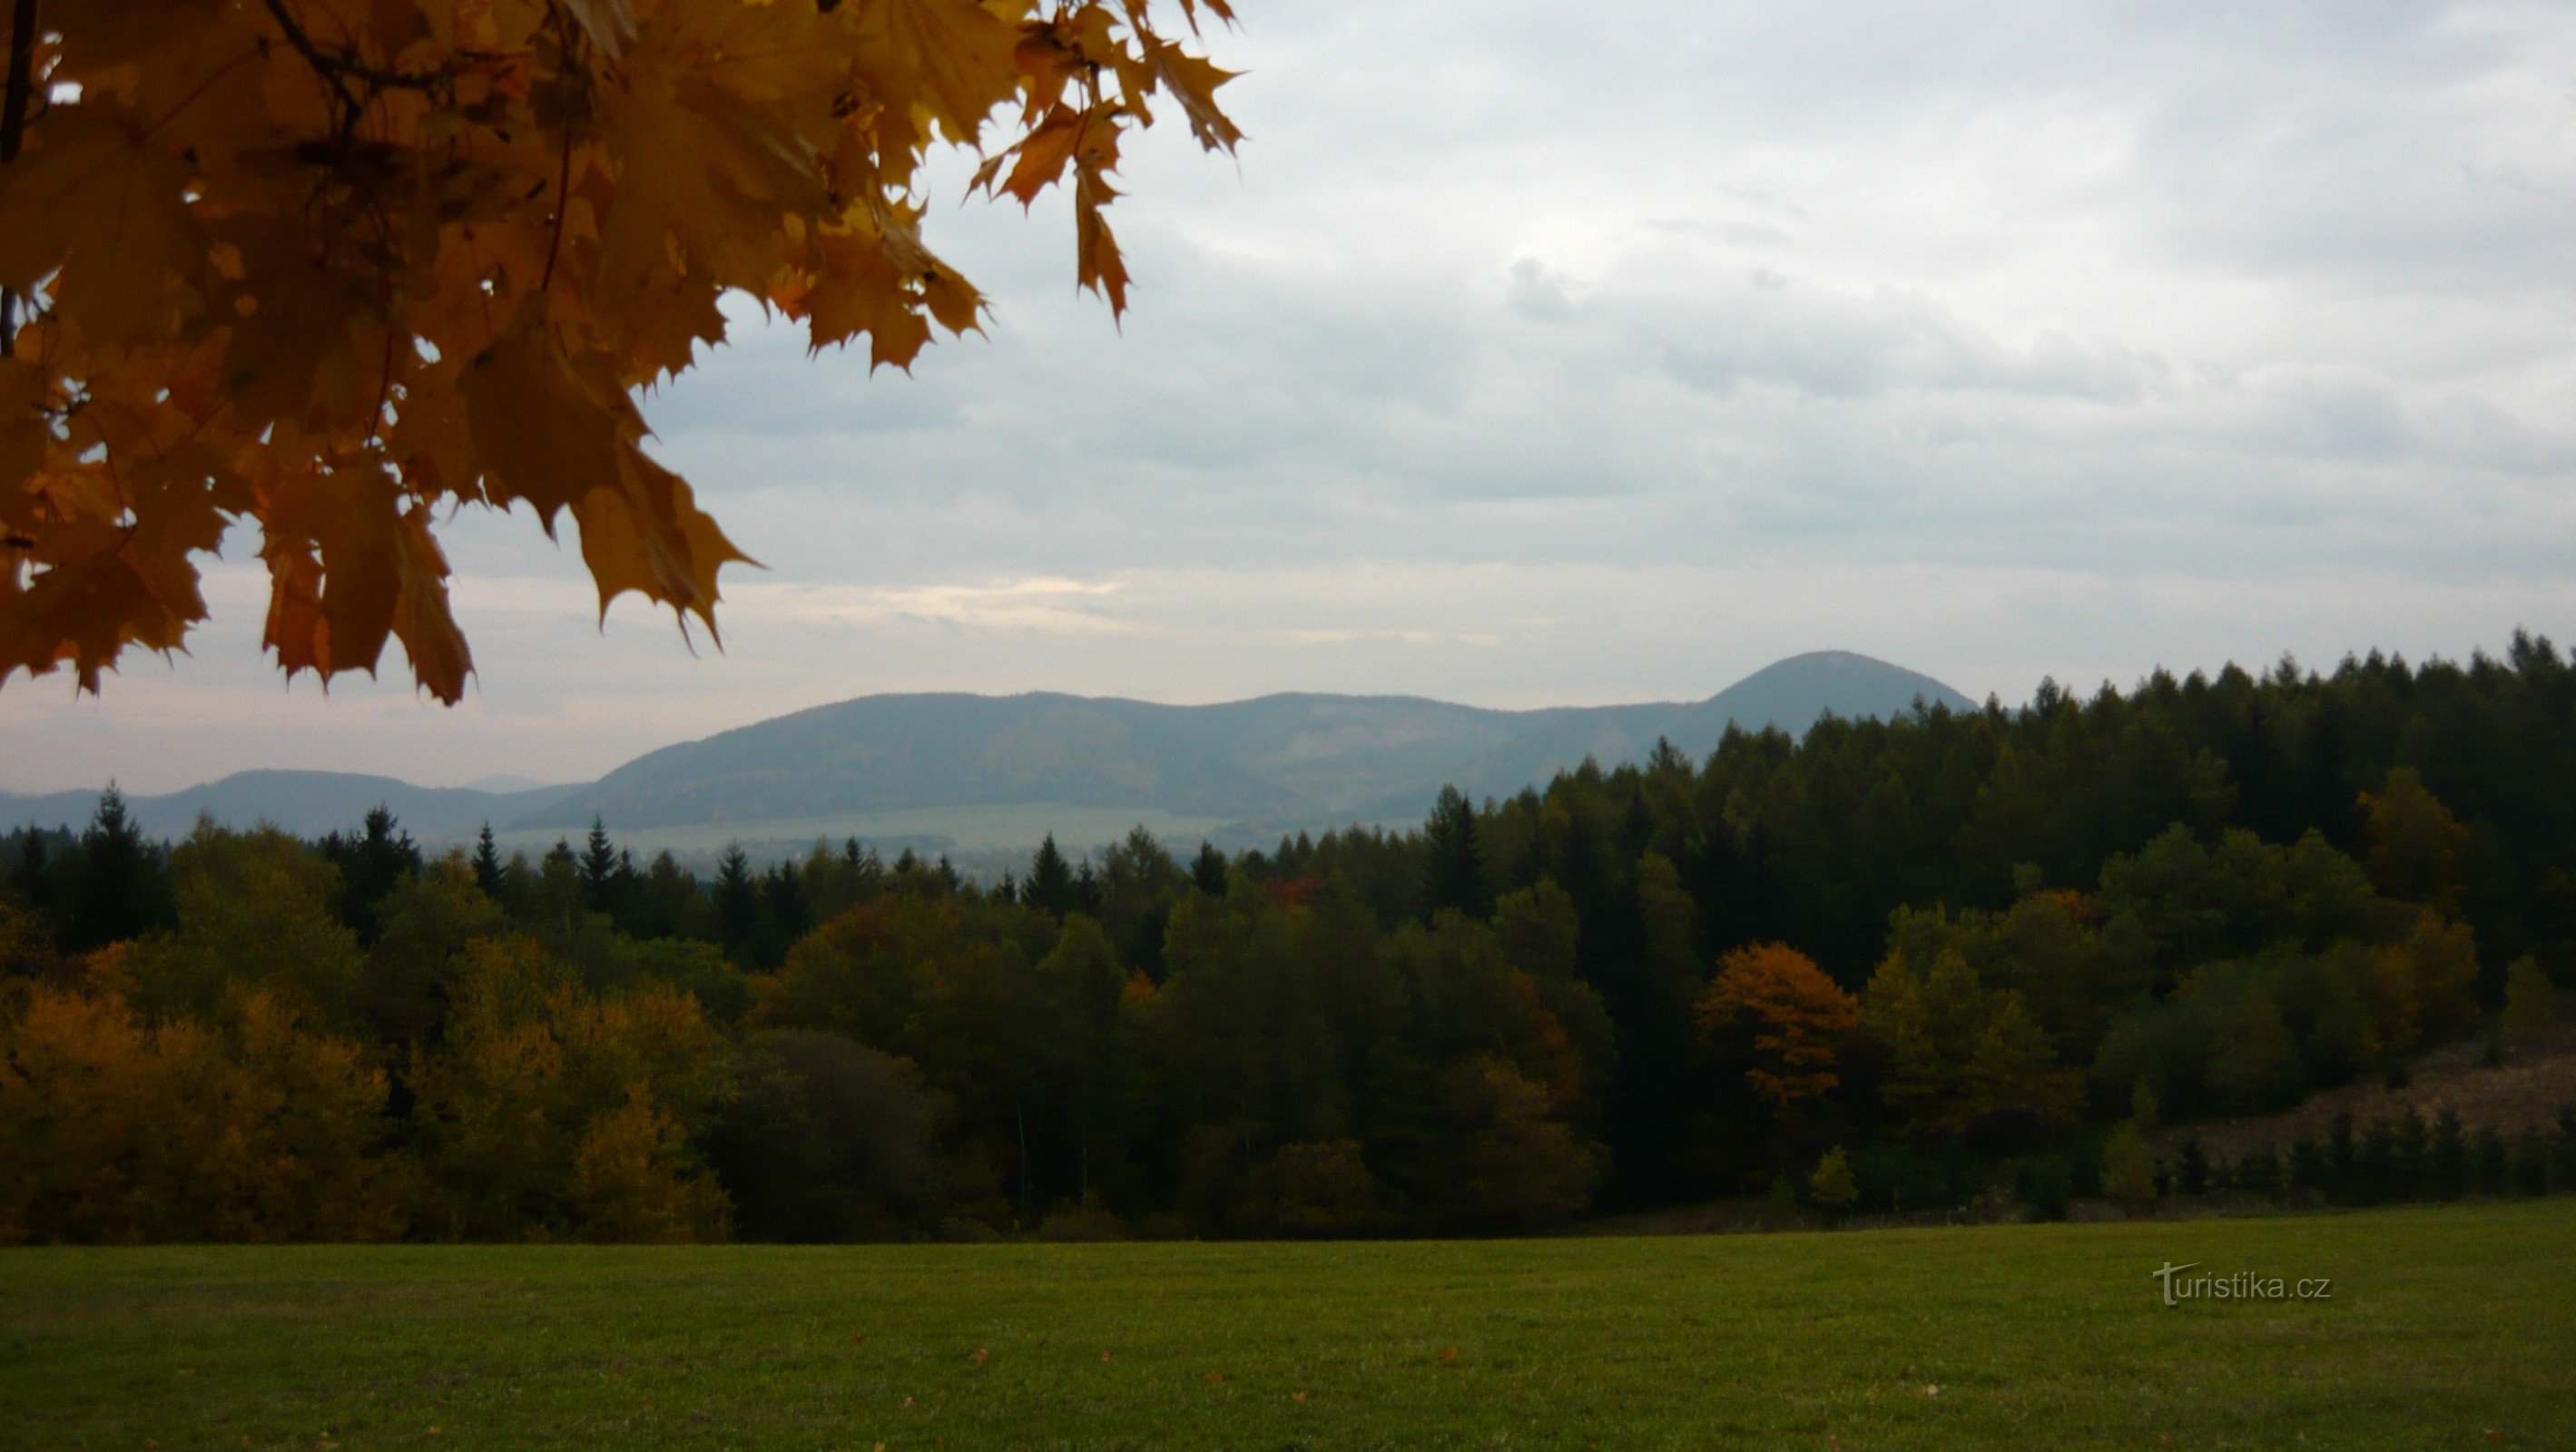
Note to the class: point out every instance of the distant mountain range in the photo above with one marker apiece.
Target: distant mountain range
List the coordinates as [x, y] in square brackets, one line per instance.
[307, 803]
[919, 764]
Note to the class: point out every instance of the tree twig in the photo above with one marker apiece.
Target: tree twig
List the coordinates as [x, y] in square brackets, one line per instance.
[20, 94]
[338, 68]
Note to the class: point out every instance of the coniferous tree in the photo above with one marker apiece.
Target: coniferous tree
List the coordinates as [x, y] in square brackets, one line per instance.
[737, 902]
[381, 857]
[487, 863]
[1454, 869]
[1050, 887]
[117, 890]
[598, 867]
[1208, 870]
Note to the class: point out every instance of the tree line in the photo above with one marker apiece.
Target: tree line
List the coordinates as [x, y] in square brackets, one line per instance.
[1894, 964]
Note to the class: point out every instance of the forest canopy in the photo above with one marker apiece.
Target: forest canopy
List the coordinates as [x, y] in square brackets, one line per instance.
[1953, 958]
[339, 271]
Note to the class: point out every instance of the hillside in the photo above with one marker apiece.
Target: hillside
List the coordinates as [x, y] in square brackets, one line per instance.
[307, 803]
[1288, 759]
[997, 771]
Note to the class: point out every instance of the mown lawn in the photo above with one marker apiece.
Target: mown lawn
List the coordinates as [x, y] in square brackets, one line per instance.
[2448, 1327]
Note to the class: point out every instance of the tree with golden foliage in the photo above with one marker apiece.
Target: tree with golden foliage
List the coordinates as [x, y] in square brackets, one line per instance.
[2418, 850]
[340, 270]
[560, 1113]
[1798, 1017]
[253, 1126]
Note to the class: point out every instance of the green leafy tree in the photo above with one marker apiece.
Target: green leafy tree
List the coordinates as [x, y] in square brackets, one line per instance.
[255, 909]
[1830, 1184]
[824, 1139]
[2129, 1168]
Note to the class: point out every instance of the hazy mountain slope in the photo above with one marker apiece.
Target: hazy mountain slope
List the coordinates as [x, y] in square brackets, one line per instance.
[1792, 694]
[307, 803]
[1284, 761]
[897, 752]
[1286, 758]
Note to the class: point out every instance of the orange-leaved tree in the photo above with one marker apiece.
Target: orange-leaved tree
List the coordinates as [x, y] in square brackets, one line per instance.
[340, 269]
[1798, 1018]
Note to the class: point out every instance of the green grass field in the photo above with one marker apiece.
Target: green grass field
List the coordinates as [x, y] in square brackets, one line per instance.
[2447, 1327]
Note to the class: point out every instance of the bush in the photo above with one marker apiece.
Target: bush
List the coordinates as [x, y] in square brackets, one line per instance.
[1085, 1220]
[2129, 1168]
[1831, 1183]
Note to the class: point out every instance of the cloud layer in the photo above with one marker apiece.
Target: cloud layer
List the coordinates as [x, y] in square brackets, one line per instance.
[1531, 356]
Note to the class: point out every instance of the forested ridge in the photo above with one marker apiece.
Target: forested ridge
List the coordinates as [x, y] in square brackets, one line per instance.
[1905, 963]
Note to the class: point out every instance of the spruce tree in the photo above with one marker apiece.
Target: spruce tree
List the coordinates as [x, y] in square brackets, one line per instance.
[487, 863]
[1207, 870]
[1454, 868]
[114, 889]
[1050, 886]
[598, 866]
[737, 902]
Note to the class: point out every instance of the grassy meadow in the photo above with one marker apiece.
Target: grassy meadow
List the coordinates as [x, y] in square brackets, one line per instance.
[2450, 1326]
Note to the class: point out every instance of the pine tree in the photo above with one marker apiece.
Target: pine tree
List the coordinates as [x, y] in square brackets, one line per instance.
[1454, 868]
[737, 902]
[1208, 871]
[598, 866]
[1050, 885]
[487, 863]
[113, 890]
[380, 858]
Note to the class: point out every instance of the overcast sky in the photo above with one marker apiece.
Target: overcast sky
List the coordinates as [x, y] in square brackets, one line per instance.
[1538, 354]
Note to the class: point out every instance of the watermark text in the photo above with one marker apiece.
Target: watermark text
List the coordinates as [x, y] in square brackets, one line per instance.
[2178, 1284]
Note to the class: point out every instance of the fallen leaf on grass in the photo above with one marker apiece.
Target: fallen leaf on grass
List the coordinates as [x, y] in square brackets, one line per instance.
[1216, 1376]
[1448, 1353]
[1296, 1396]
[1931, 1391]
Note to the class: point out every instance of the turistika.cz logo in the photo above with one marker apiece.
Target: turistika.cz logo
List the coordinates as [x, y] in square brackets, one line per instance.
[2241, 1286]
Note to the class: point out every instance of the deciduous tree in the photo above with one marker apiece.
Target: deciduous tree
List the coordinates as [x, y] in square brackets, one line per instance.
[1798, 1019]
[339, 270]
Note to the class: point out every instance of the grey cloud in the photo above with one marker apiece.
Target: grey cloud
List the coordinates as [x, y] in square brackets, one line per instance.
[1529, 355]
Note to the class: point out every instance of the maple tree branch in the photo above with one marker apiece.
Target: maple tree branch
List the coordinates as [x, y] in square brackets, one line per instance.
[338, 68]
[13, 128]
[332, 75]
